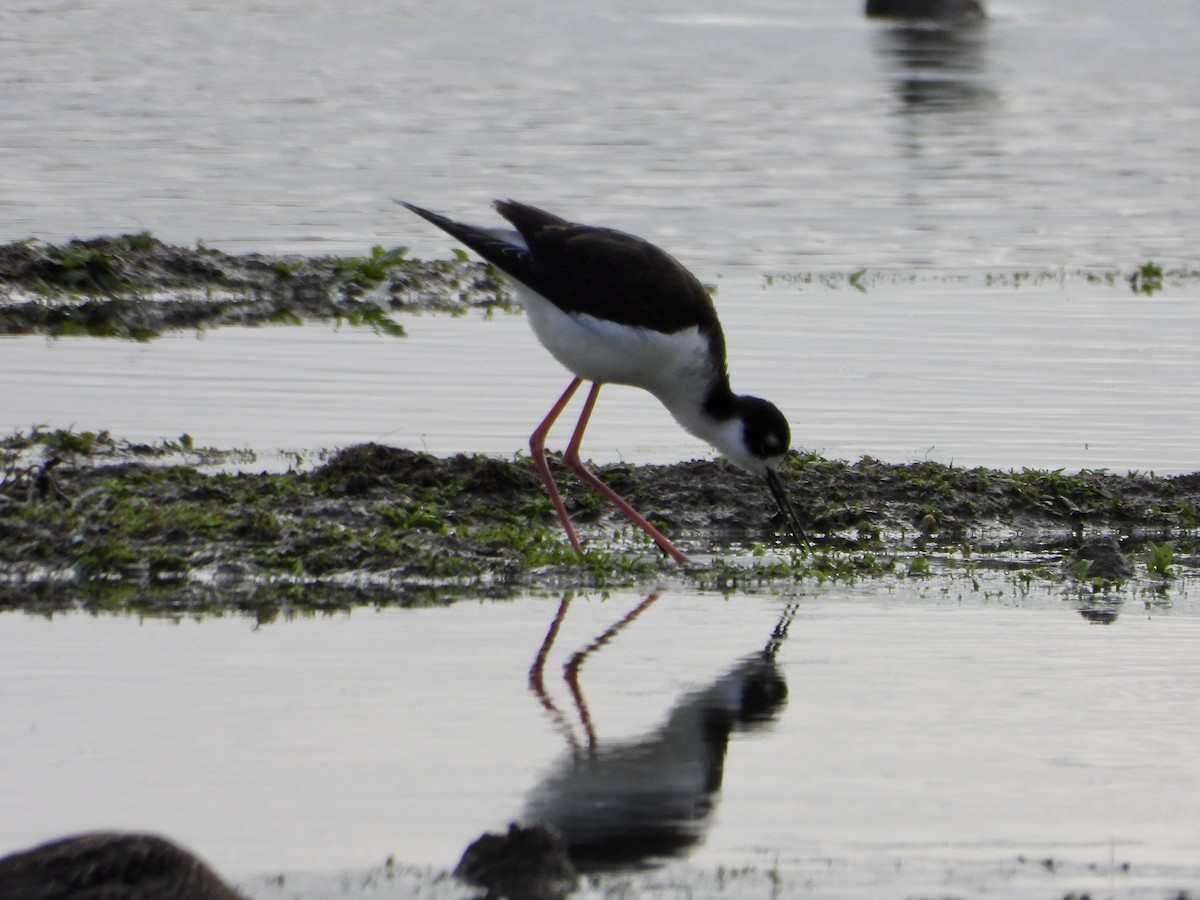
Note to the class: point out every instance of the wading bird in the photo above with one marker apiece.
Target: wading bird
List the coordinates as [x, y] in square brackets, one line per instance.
[614, 308]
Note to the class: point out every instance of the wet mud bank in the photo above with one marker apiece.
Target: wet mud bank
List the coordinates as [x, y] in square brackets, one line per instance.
[92, 520]
[89, 520]
[135, 286]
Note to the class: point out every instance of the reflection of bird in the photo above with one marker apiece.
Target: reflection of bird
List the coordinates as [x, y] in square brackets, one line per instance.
[624, 803]
[612, 307]
[109, 866]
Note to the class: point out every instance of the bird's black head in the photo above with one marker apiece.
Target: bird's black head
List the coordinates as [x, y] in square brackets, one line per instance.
[766, 439]
[765, 431]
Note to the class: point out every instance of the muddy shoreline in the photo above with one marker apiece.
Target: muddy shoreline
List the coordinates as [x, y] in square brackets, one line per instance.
[89, 520]
[136, 287]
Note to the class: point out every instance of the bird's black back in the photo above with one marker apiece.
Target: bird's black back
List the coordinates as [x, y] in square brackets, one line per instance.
[589, 270]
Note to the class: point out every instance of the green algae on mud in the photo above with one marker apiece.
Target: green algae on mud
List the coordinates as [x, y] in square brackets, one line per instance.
[1145, 279]
[137, 287]
[87, 519]
[134, 286]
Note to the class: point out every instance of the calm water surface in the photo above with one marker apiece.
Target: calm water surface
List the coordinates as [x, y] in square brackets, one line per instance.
[935, 726]
[760, 134]
[754, 139]
[932, 736]
[1052, 376]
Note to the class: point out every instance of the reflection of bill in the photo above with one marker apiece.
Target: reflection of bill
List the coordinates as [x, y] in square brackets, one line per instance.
[626, 803]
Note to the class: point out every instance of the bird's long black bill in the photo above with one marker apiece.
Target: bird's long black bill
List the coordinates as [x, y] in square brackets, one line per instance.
[788, 512]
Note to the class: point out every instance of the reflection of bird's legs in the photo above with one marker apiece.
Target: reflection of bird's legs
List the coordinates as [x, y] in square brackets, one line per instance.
[575, 663]
[780, 633]
[537, 681]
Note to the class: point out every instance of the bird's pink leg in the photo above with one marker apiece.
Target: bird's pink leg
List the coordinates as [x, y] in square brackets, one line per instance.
[571, 458]
[537, 445]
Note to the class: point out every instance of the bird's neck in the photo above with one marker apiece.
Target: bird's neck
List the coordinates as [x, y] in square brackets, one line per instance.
[717, 420]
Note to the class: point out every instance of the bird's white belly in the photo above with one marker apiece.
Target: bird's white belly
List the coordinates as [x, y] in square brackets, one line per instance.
[671, 366]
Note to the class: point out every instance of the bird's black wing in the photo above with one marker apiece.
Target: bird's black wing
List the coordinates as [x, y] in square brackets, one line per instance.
[590, 270]
[506, 252]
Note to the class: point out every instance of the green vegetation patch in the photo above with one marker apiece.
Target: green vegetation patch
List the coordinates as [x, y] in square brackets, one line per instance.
[111, 523]
[1144, 279]
[137, 287]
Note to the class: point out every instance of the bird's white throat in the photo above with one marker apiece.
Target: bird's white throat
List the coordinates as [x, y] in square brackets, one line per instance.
[677, 368]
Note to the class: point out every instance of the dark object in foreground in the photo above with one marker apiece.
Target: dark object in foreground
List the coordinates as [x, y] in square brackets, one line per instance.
[106, 865]
[527, 863]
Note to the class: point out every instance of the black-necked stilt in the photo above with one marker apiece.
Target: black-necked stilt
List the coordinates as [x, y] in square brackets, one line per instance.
[612, 307]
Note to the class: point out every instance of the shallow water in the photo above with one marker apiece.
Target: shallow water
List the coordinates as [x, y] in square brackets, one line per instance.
[934, 732]
[761, 134]
[752, 140]
[1057, 375]
[937, 740]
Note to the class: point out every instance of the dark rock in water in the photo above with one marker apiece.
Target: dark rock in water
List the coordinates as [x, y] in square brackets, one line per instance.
[933, 10]
[1099, 557]
[525, 864]
[110, 866]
